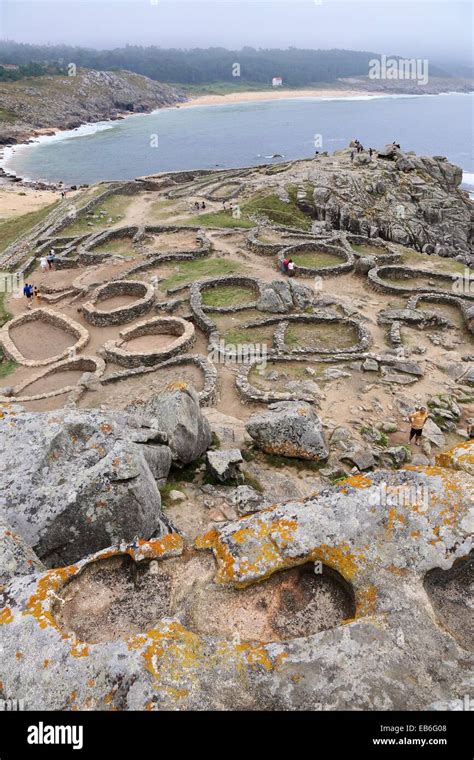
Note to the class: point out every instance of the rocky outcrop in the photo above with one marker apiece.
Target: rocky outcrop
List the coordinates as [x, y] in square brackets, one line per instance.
[291, 429]
[397, 543]
[73, 482]
[176, 412]
[66, 102]
[401, 197]
[280, 297]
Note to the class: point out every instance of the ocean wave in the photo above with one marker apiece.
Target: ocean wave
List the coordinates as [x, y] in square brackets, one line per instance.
[468, 179]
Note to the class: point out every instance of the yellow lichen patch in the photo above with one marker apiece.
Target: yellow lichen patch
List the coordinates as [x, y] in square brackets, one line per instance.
[47, 585]
[172, 650]
[357, 481]
[79, 649]
[169, 545]
[177, 386]
[5, 616]
[340, 558]
[366, 601]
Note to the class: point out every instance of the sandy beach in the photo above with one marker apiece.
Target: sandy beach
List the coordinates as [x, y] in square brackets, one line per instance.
[16, 200]
[278, 94]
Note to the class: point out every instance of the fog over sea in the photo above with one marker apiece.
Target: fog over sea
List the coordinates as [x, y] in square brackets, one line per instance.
[246, 134]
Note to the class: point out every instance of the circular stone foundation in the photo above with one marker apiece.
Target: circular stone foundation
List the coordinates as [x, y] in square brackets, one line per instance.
[143, 344]
[28, 339]
[143, 298]
[118, 598]
[313, 259]
[56, 379]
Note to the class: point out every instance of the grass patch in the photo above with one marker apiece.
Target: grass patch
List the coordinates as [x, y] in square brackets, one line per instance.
[433, 262]
[270, 206]
[12, 229]
[276, 460]
[228, 295]
[5, 315]
[253, 482]
[196, 269]
[114, 207]
[121, 246]
[239, 336]
[7, 367]
[165, 491]
[316, 259]
[219, 219]
[276, 210]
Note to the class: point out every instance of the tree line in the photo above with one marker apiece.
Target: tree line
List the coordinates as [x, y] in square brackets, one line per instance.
[198, 66]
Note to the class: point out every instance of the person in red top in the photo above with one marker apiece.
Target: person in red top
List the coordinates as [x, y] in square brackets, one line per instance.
[284, 265]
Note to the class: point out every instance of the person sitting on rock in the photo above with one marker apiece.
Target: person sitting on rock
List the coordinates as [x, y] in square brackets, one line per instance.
[284, 265]
[417, 422]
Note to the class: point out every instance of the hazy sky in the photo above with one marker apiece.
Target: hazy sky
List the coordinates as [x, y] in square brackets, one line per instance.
[439, 28]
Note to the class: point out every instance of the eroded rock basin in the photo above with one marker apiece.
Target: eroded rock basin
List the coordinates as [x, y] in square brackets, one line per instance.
[117, 598]
[451, 593]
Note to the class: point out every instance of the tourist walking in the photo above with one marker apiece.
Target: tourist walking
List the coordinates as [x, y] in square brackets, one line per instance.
[417, 421]
[44, 264]
[28, 293]
[51, 258]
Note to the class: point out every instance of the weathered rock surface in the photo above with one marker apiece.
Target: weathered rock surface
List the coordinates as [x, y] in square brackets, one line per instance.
[16, 557]
[224, 466]
[291, 429]
[177, 414]
[382, 534]
[281, 296]
[73, 482]
[66, 102]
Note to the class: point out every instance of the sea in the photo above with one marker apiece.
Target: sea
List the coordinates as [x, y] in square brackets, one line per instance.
[250, 133]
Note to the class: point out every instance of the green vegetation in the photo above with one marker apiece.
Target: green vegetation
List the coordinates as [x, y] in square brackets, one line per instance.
[269, 206]
[170, 485]
[228, 295]
[276, 460]
[30, 70]
[6, 367]
[121, 246]
[218, 219]
[253, 482]
[239, 336]
[114, 207]
[316, 259]
[434, 263]
[6, 115]
[4, 313]
[196, 269]
[278, 211]
[13, 228]
[214, 67]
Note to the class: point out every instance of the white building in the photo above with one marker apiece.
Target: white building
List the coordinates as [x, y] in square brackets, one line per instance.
[277, 81]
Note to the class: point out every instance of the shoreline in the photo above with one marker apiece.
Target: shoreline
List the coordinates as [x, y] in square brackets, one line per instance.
[249, 96]
[9, 177]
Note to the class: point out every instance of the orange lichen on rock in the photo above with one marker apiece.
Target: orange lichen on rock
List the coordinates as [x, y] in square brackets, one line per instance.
[356, 481]
[5, 616]
[366, 601]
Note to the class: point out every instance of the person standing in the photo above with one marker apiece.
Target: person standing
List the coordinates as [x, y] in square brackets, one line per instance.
[291, 268]
[43, 264]
[417, 421]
